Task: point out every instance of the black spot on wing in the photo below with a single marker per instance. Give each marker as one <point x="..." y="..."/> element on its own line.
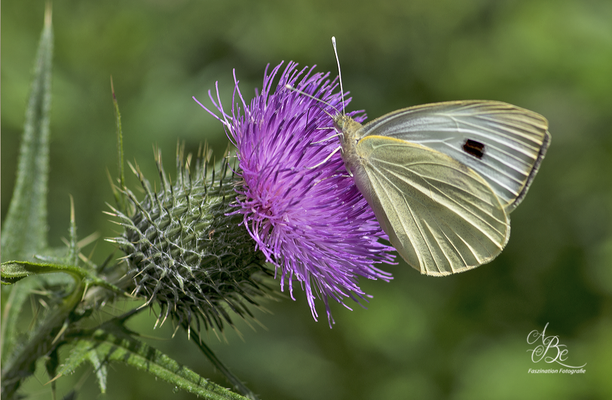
<point x="474" y="148"/>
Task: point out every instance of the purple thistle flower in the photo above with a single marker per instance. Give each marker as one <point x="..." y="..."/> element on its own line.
<point x="299" y="203"/>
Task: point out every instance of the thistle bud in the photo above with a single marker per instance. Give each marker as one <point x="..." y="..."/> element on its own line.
<point x="186" y="249"/>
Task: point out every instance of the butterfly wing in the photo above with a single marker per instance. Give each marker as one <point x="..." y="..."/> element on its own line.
<point x="441" y="216"/>
<point x="501" y="142"/>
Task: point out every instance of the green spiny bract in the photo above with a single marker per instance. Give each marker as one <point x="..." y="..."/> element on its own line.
<point x="186" y="249"/>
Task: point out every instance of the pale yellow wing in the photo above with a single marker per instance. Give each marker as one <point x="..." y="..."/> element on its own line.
<point x="440" y="215"/>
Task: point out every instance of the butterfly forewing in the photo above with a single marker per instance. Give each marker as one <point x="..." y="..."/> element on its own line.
<point x="503" y="143"/>
<point x="440" y="215"/>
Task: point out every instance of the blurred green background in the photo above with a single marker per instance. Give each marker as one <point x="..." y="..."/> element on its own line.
<point x="460" y="337"/>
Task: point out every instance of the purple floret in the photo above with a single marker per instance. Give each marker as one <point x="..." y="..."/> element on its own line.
<point x="299" y="203"/>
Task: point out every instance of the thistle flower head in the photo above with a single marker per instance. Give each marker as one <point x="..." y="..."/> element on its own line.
<point x="297" y="200"/>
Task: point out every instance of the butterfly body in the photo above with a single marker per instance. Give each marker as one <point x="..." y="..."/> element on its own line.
<point x="442" y="178"/>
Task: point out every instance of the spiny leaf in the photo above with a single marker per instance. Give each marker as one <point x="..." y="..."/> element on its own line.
<point x="14" y="271"/>
<point x="81" y="352"/>
<point x="10" y="315"/>
<point x="24" y="231"/>
<point x="119" y="195"/>
<point x="115" y="344"/>
<point x="99" y="368"/>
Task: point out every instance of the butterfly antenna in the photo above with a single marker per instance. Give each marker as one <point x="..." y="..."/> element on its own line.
<point x="288" y="86"/>
<point x="339" y="73"/>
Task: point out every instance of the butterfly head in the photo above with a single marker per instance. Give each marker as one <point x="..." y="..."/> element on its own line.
<point x="348" y="130"/>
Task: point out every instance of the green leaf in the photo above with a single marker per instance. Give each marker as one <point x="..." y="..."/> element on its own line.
<point x="120" y="197"/>
<point x="10" y="315"/>
<point x="78" y="354"/>
<point x="83" y="351"/>
<point x="113" y="343"/>
<point x="25" y="228"/>
<point x="99" y="368"/>
<point x="14" y="271"/>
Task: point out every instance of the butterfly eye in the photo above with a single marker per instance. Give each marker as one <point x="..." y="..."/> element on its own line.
<point x="474" y="148"/>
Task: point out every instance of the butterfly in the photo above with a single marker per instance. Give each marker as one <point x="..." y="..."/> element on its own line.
<point x="443" y="178"/>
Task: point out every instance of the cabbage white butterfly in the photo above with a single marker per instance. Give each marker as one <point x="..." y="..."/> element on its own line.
<point x="442" y="178"/>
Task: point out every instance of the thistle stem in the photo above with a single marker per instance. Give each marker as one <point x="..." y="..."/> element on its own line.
<point x="221" y="367"/>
